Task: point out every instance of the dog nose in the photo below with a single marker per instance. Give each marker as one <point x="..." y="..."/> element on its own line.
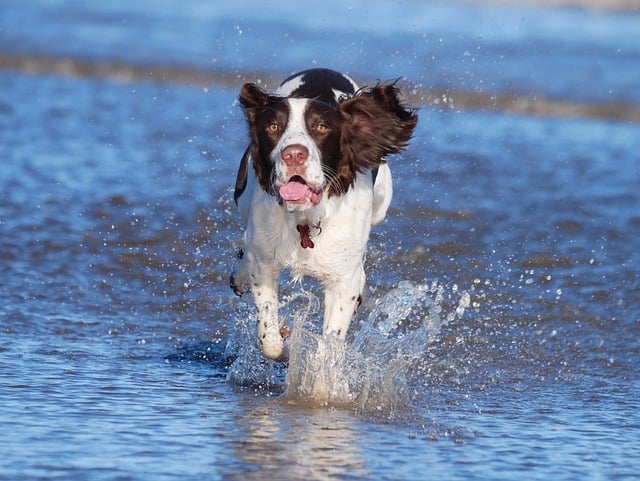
<point x="294" y="155"/>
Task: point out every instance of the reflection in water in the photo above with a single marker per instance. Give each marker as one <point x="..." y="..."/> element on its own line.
<point x="291" y="443"/>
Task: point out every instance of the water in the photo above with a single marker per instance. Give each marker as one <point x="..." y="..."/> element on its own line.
<point x="500" y="327"/>
<point x="369" y="373"/>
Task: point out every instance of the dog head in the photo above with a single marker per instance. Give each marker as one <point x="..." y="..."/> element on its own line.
<point x="310" y="140"/>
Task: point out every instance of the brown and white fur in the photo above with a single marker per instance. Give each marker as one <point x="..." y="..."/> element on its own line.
<point x="312" y="182"/>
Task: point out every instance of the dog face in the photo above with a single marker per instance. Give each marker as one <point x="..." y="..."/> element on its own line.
<point x="299" y="142"/>
<point x="304" y="149"/>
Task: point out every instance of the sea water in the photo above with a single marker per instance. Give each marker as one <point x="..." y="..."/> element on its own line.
<point x="117" y="232"/>
<point x="370" y="370"/>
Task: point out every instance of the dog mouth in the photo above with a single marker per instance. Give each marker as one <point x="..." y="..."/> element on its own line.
<point x="297" y="190"/>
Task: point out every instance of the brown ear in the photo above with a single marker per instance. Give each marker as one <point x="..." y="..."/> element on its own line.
<point x="376" y="124"/>
<point x="253" y="100"/>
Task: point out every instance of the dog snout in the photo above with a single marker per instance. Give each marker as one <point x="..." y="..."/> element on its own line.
<point x="294" y="155"/>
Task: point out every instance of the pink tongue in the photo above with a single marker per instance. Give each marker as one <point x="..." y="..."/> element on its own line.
<point x="294" y="190"/>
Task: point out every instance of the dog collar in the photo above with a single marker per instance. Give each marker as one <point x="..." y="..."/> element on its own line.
<point x="305" y="234"/>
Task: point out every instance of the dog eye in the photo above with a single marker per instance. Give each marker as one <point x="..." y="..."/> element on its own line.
<point x="322" y="128"/>
<point x="273" y="128"/>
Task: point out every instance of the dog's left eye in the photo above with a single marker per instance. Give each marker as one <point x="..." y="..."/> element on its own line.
<point x="322" y="128"/>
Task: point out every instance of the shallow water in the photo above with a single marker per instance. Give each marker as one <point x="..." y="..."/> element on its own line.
<point x="117" y="234"/>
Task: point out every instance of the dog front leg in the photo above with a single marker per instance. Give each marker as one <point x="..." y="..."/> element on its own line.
<point x="341" y="302"/>
<point x="264" y="286"/>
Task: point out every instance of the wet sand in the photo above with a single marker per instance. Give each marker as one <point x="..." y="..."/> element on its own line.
<point x="531" y="104"/>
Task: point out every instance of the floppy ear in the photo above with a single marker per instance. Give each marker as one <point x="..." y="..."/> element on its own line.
<point x="376" y="124"/>
<point x="253" y="101"/>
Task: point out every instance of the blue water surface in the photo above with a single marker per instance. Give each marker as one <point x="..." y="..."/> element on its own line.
<point x="564" y="53"/>
<point x="118" y="233"/>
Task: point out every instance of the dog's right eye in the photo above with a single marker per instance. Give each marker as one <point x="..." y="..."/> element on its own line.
<point x="273" y="128"/>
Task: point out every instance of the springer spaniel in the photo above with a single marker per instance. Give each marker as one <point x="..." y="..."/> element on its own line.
<point x="319" y="181"/>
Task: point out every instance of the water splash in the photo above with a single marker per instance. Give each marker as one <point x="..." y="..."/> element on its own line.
<point x="370" y="371"/>
<point x="248" y="366"/>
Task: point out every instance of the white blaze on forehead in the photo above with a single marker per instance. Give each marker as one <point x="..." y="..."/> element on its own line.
<point x="286" y="88"/>
<point x="296" y="126"/>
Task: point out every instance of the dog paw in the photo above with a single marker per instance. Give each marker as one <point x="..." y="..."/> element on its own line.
<point x="237" y="287"/>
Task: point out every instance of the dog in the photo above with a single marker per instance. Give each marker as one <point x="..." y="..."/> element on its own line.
<point x="312" y="182"/>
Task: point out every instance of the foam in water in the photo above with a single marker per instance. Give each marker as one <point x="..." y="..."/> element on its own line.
<point x="368" y="372"/>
